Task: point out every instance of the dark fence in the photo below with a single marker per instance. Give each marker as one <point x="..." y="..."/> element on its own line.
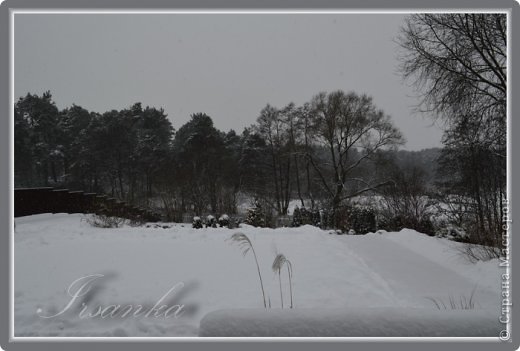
<point x="30" y="201"/>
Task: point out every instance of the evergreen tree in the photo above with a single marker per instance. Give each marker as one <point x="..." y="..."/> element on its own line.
<point x="297" y="218"/>
<point x="256" y="215"/>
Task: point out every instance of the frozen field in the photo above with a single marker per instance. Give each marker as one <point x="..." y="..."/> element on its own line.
<point x="139" y="265"/>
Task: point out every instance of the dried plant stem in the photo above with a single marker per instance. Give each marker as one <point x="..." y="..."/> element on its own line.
<point x="280" y="281"/>
<point x="246" y="244"/>
<point x="279" y="261"/>
<point x="259" y="275"/>
<point x="289" y="273"/>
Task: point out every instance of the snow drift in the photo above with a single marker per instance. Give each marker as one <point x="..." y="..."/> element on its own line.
<point x="353" y="322"/>
<point x="391" y="275"/>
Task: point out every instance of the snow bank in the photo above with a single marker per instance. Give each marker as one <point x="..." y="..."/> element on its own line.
<point x="360" y="322"/>
<point x="402" y="270"/>
<point x="449" y="254"/>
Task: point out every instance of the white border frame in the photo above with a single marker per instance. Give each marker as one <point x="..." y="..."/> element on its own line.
<point x="94" y="339"/>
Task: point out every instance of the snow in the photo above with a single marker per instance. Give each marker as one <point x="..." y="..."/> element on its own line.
<point x="373" y="276"/>
<point x="353" y="322"/>
<point x="447" y="253"/>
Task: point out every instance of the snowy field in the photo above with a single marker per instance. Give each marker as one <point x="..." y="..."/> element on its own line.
<point x="137" y="266"/>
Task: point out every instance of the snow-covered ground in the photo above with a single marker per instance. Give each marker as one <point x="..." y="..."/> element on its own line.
<point x="349" y="322"/>
<point x="207" y="273"/>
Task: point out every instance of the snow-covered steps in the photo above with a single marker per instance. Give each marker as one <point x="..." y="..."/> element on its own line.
<point x="352" y="322"/>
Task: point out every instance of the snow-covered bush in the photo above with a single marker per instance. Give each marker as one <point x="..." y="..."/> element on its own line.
<point x="197" y="222"/>
<point x="137" y="221"/>
<point x="224" y="221"/>
<point x="105" y="221"/>
<point x="391" y="224"/>
<point x="256" y="216"/>
<point x="211" y="221"/>
<point x="362" y="220"/>
<point x="399" y="222"/>
<point x="311" y="217"/>
<point x="326" y="218"/>
<point x="303" y="216"/>
<point x="452" y="232"/>
<point x="425" y="226"/>
<point x="297" y="218"/>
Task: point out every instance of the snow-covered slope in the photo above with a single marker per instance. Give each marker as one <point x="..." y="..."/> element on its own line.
<point x="140" y="265"/>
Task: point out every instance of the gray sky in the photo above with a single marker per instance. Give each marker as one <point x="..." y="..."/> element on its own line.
<point x="226" y="65"/>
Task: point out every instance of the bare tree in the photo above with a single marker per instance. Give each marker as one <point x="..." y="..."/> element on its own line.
<point x="352" y="130"/>
<point x="277" y="135"/>
<point x="406" y="200"/>
<point x="459" y="62"/>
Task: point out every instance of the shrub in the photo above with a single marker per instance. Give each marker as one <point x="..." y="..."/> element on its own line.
<point x="309" y="216"/>
<point x="474" y="252"/>
<point x="224" y="221"/>
<point x="211" y="221"/>
<point x="137" y="221"/>
<point x="105" y="221"/>
<point x="462" y="303"/>
<point x="297" y="218"/>
<point x="256" y="216"/>
<point x="399" y="222"/>
<point x="362" y="220"/>
<point x="303" y="216"/>
<point x="197" y="222"/>
<point x="452" y="232"/>
<point x="425" y="226"/>
<point x="326" y="218"/>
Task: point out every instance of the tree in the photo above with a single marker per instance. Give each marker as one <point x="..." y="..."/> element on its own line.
<point x="37" y="121"/>
<point x="458" y="61"/>
<point x="199" y="147"/>
<point x="23" y="153"/>
<point x="74" y="123"/>
<point x="117" y="141"/>
<point x="253" y="165"/>
<point x="406" y="203"/>
<point x="231" y="182"/>
<point x="352" y="130"/>
<point x="271" y="127"/>
<point x="153" y="143"/>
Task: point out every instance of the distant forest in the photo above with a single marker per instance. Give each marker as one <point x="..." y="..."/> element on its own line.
<point x="136" y="155"/>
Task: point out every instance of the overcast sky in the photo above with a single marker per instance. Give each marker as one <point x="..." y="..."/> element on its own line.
<point x="226" y="65"/>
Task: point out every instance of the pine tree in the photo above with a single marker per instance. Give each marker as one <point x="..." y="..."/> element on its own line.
<point x="256" y="215"/>
<point x="297" y="218"/>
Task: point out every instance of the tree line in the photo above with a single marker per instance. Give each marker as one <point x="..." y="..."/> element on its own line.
<point x="319" y="153"/>
<point x="333" y="148"/>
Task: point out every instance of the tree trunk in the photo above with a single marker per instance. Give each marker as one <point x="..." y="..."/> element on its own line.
<point x="297" y="173"/>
